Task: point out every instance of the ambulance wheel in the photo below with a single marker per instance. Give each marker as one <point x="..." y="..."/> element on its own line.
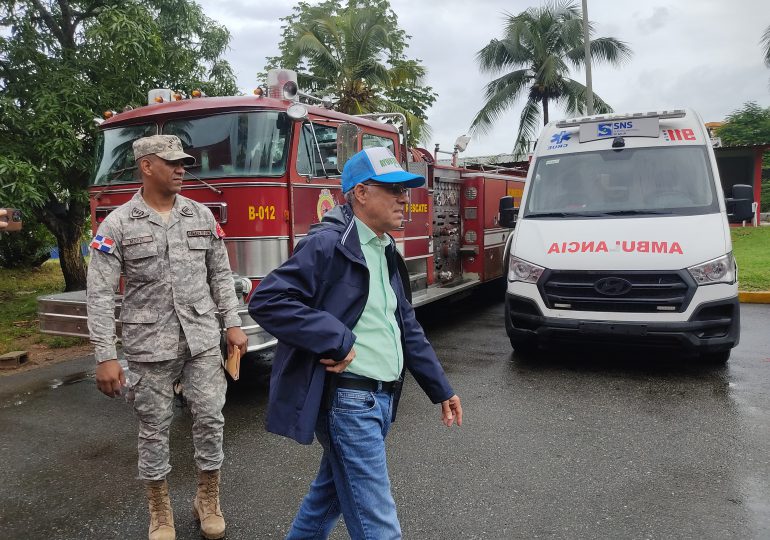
<point x="524" y="347"/>
<point x="719" y="358"/>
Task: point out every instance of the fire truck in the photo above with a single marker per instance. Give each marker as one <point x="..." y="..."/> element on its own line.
<point x="268" y="167"/>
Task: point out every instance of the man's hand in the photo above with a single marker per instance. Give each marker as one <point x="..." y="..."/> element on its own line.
<point x="451" y="410"/>
<point x="110" y="377"/>
<point x="3" y="222"/>
<point x="342" y="365"/>
<point x="236" y="338"/>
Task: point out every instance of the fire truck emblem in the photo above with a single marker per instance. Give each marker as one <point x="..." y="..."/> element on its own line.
<point x="325" y="203"/>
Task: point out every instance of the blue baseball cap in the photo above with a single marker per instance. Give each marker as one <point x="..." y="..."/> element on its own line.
<point x="377" y="164"/>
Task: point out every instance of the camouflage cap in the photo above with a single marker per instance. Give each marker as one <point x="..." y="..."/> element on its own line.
<point x="167" y="147"/>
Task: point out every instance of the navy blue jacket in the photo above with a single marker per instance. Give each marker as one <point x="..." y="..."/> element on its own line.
<point x="311" y="303"/>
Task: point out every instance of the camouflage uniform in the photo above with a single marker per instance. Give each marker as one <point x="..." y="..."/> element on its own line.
<point x="176" y="275"/>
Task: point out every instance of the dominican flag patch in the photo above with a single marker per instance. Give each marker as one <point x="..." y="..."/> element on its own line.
<point x="220" y="231"/>
<point x="103" y="243"/>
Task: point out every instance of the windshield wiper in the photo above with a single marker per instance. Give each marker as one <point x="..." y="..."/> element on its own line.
<point x="212" y="188"/>
<point x="114" y="175"/>
<point x="563" y="214"/>
<point x="634" y="212"/>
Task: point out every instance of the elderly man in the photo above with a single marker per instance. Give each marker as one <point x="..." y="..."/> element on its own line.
<point x="177" y="274"/>
<point x="340" y="310"/>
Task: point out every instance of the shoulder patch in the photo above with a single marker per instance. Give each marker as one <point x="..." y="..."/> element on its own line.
<point x="103" y="243"/>
<point x="220" y="231"/>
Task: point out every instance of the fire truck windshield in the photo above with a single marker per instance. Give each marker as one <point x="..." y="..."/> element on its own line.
<point x="630" y="182"/>
<point x="238" y="144"/>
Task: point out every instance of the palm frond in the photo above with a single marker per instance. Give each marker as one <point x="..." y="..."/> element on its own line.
<point x="528" y="124"/>
<point x="574" y="100"/>
<point x="766" y="45"/>
<point x="500" y="94"/>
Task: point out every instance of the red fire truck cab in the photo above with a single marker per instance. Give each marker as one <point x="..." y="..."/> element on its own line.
<point x="268" y="167"/>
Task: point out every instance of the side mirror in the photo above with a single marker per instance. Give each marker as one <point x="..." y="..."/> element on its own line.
<point x="740" y="207"/>
<point x="347" y="143"/>
<point x="508" y="213"/>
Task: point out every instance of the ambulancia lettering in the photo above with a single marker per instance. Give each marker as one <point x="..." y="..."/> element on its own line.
<point x="626" y="246"/>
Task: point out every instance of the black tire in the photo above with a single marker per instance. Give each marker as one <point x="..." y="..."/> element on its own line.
<point x="719" y="358"/>
<point x="524" y="347"/>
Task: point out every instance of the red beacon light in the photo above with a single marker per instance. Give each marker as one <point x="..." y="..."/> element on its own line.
<point x="197" y="93"/>
<point x="177" y="96"/>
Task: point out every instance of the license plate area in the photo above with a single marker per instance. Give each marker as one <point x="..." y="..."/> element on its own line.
<point x="618" y="329"/>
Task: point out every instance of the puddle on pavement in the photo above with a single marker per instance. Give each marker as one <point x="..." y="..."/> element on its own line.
<point x="51" y="384"/>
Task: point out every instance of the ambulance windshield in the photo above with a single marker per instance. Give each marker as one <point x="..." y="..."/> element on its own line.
<point x="224" y="145"/>
<point x="633" y="181"/>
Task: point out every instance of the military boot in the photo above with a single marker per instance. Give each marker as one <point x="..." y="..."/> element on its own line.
<point x="161" y="516"/>
<point x="206" y="505"/>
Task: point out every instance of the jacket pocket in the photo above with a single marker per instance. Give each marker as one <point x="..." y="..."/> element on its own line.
<point x="139" y="331"/>
<point x="199" y="242"/>
<point x="141" y="262"/>
<point x="204" y="305"/>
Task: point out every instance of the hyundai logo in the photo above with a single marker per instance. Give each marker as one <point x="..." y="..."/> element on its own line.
<point x="612" y="286"/>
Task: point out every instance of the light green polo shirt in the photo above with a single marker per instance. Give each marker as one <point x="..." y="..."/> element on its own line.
<point x="378" y="338"/>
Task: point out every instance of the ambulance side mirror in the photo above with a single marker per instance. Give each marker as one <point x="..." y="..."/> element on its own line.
<point x="508" y="213"/>
<point x="740" y="207"/>
<point x="347" y="143"/>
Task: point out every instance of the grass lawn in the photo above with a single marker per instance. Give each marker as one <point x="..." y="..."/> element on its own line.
<point x="19" y="290"/>
<point x="751" y="247"/>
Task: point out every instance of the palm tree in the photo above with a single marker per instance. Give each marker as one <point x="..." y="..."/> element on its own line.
<point x="351" y="56"/>
<point x="534" y="57"/>
<point x="766" y="45"/>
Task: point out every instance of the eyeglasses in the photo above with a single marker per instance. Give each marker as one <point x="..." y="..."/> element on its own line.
<point x="394" y="189"/>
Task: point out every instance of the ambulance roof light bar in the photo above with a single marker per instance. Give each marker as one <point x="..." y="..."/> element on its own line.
<point x="574" y="122"/>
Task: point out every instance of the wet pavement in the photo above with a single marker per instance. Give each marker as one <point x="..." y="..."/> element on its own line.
<point x="569" y="444"/>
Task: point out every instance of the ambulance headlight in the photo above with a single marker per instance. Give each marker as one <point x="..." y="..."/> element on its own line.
<point x="719" y="270"/>
<point x="520" y="270"/>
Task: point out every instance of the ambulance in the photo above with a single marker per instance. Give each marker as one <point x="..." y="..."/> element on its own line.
<point x="622" y="237"/>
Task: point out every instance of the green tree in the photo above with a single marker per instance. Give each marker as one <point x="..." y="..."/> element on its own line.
<point x="746" y="126"/>
<point x="64" y="62"/>
<point x="533" y="58"/>
<point x="355" y="52"/>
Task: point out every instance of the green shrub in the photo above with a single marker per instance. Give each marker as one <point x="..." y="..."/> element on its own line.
<point x="28" y="248"/>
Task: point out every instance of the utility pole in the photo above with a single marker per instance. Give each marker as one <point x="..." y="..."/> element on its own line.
<point x="587" y="41"/>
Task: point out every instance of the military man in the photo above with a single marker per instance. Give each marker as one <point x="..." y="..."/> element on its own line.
<point x="177" y="274"/>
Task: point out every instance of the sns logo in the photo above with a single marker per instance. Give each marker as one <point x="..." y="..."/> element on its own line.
<point x="606" y="129"/>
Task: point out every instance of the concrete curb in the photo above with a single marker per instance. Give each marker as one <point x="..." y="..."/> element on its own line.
<point x="754" y="297"/>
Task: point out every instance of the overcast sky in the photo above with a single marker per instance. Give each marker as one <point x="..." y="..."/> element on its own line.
<point x="703" y="54"/>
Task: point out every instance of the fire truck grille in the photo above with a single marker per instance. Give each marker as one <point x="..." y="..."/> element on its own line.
<point x="630" y="292"/>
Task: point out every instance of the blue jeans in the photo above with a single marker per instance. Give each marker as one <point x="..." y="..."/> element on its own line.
<point x="353" y="476"/>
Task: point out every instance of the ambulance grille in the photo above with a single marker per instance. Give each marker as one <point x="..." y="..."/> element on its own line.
<point x="628" y="292"/>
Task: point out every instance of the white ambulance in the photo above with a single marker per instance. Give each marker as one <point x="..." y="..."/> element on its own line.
<point x="622" y="237"/>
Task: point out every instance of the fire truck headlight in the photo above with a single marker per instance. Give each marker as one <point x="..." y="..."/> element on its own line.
<point x="521" y="270"/>
<point x="720" y="270"/>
